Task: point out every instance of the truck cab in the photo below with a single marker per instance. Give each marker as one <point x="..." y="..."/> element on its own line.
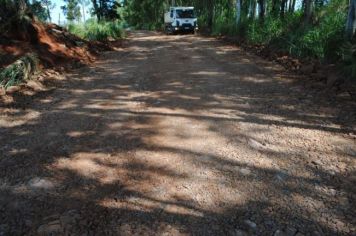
<point x="180" y="19"/>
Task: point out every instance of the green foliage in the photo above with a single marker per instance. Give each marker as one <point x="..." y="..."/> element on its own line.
<point x="348" y="54"/>
<point x="38" y="10"/>
<point x="20" y="71"/>
<point x="106" y="9"/>
<point x="71" y="10"/>
<point x="319" y="40"/>
<point x="15" y="9"/>
<point x="100" y="31"/>
<point x="145" y="14"/>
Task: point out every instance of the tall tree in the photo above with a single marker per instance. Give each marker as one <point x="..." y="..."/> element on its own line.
<point x="274" y="7"/>
<point x="261" y="9"/>
<point x="84" y="4"/>
<point x="283" y="8"/>
<point x="292" y="5"/>
<point x="49" y="6"/>
<point x="308" y="10"/>
<point x="252" y="9"/>
<point x="71" y="10"/>
<point x="107" y="9"/>
<point x="351" y="20"/>
<point x="238" y="11"/>
<point x="38" y="10"/>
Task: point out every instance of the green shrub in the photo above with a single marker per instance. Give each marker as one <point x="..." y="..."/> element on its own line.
<point x="321" y="39"/>
<point x="97" y="31"/>
<point x="258" y="33"/>
<point x="22" y="70"/>
<point x="348" y="54"/>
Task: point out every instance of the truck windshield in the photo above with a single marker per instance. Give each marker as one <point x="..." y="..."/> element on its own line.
<point x="189" y="13"/>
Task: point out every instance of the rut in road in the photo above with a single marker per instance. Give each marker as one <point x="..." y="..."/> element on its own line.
<point x="178" y="135"/>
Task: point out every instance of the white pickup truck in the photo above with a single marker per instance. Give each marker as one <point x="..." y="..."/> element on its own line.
<point x="180" y="19"/>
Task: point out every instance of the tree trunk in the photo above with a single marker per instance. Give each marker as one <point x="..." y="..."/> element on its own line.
<point x="274" y="8"/>
<point x="261" y="13"/>
<point x="83" y="12"/>
<point x="293" y="6"/>
<point x="252" y="9"/>
<point x="351" y="20"/>
<point x="238" y="11"/>
<point x="283" y="8"/>
<point x="308" y="10"/>
<point x="96" y="9"/>
<point x="48" y="13"/>
<point x="210" y="10"/>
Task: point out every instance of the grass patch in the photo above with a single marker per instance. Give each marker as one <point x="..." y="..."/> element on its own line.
<point x="21" y="70"/>
<point x="97" y="31"/>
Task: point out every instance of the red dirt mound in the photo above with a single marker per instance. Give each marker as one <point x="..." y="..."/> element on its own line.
<point x="54" y="45"/>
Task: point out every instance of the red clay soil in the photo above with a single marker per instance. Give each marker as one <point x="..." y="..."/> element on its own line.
<point x="55" y="46"/>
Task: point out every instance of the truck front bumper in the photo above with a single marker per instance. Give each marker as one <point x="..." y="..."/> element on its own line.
<point x="185" y="28"/>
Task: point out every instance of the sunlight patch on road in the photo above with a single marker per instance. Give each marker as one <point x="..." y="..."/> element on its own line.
<point x="25" y="117"/>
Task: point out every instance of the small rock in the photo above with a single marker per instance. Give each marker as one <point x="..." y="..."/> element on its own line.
<point x="255" y="144"/>
<point x="245" y="171"/>
<point x="332" y="192"/>
<point x="39" y="183"/>
<point x="317" y="163"/>
<point x="251" y="225"/>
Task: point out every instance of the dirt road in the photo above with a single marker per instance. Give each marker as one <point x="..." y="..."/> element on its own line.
<point x="178" y="135"/>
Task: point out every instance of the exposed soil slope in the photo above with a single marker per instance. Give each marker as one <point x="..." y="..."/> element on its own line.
<point x="179" y="135"/>
<point x="53" y="44"/>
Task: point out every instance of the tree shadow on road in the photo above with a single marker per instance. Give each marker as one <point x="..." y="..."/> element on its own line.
<point x="93" y="159"/>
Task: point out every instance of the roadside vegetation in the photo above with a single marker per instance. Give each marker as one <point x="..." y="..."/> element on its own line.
<point x="104" y="25"/>
<point x="30" y="42"/>
<point x="20" y="71"/>
<point x="305" y="29"/>
<point x="97" y="31"/>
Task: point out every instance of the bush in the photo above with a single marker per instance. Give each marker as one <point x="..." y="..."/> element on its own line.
<point x="21" y="70"/>
<point x="348" y="54"/>
<point x="258" y="33"/>
<point x="97" y="31"/>
<point x="321" y="39"/>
